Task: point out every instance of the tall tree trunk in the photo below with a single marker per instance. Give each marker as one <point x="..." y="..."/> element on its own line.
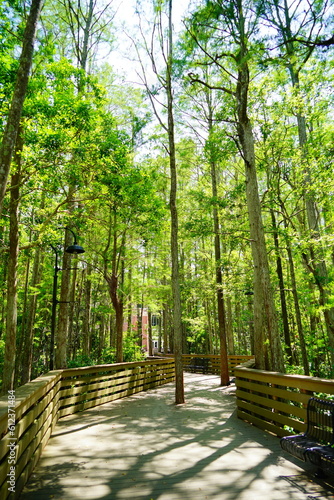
<point x="72" y="312"/>
<point x="149" y="334"/>
<point x="27" y="354"/>
<point x="3" y="284"/>
<point x="297" y="310"/>
<point x="129" y="301"/>
<point x="86" y="326"/>
<point x="118" y="305"/>
<point x="279" y="270"/>
<point x="22" y="330"/>
<point x="15" y="111"/>
<point x="229" y="326"/>
<point x="177" y="320"/>
<point x="140" y="310"/>
<point x="165" y="328"/>
<point x="102" y="337"/>
<point x="222" y="326"/>
<point x="265" y="321"/>
<point x="11" y="317"/>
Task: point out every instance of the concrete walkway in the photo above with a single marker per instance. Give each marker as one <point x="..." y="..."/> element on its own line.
<point x="146" y="448"/>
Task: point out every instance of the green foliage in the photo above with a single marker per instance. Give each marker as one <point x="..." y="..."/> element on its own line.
<point x="81" y="360"/>
<point x="94" y="159"/>
<point x="294" y="370"/>
<point x="131" y="351"/>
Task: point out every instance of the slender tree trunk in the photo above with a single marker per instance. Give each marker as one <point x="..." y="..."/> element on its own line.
<point x="11" y="318"/>
<point x="87" y="313"/>
<point x="149" y="333"/>
<point x="177" y="321"/>
<point x="297" y="310"/>
<point x="112" y="330"/>
<point x="72" y="311"/>
<point x="165" y="328"/>
<point x="102" y="338"/>
<point x="209" y="323"/>
<point x="3" y="284"/>
<point x="29" y="332"/>
<point x="140" y="310"/>
<point x="129" y="301"/>
<point x="280" y="276"/>
<point x="119" y="313"/>
<point x="240" y="339"/>
<point x="119" y="332"/>
<point x="265" y="321"/>
<point x="222" y="326"/>
<point x="15" y="111"/>
<point x="22" y="330"/>
<point x="229" y="326"/>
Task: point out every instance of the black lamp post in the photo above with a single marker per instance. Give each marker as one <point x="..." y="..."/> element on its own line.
<point x="73" y="249"/>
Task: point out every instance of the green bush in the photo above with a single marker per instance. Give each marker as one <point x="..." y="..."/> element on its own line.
<point x="80" y="360"/>
<point x="131" y="352"/>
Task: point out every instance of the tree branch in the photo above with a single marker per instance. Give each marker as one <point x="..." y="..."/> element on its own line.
<point x="195" y="79"/>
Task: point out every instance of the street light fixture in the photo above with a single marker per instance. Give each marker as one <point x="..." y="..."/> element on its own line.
<point x="72" y="249"/>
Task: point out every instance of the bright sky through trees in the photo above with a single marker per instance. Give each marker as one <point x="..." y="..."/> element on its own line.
<point x="123" y="56"/>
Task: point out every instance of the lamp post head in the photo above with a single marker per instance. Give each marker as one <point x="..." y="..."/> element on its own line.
<point x="75" y="249"/>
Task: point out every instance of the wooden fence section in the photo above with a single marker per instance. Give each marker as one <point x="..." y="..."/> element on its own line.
<point x="28" y="417"/>
<point x="82" y="388"/>
<point x="277" y="402"/>
<point x="214" y="362"/>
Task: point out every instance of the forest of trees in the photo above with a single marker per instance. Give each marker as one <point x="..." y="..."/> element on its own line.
<point x="202" y="192"/>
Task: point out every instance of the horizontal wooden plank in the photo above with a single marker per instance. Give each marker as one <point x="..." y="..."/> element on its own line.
<point x="302" y="382"/>
<point x="123" y="384"/>
<point x="285" y="408"/>
<point x="113" y="367"/>
<point x="261" y="424"/>
<point x="286" y="394"/>
<point x="214" y="362"/>
<point x="90" y="387"/>
<point x="106" y="399"/>
<point x="100" y="377"/>
<point x="272" y="416"/>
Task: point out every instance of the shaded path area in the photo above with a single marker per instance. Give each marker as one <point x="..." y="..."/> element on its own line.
<point x="144" y="447"/>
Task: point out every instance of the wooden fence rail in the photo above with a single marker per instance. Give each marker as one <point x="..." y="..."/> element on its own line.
<point x="277" y="402"/>
<point x="214" y="361"/>
<point x="28" y="415"/>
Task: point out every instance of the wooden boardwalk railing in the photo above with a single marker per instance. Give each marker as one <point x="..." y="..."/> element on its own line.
<point x="29" y="414"/>
<point x="277" y="402"/>
<point x="272" y="401"/>
<point x="214" y="362"/>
